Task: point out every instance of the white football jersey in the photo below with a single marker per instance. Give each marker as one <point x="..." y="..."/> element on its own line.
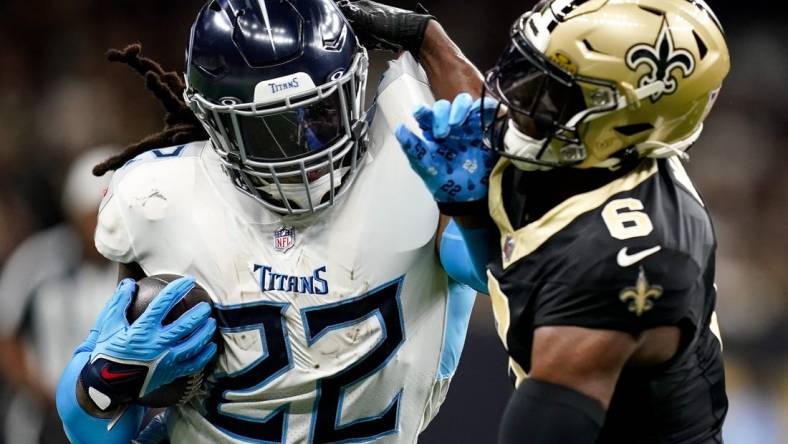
<point x="334" y="323"/>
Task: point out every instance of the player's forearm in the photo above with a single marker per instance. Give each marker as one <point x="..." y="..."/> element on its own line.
<point x="465" y="253"/>
<point x="448" y="70"/>
<point x="451" y="73"/>
<point x="80" y="425"/>
<point x="547" y="413"/>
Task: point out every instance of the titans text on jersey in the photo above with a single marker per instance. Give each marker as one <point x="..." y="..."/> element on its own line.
<point x="271" y="280"/>
<point x="633" y="254"/>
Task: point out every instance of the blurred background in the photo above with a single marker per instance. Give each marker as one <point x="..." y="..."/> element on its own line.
<point x="59" y="98"/>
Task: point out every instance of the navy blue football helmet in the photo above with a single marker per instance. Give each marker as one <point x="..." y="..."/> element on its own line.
<point x="279" y="86"/>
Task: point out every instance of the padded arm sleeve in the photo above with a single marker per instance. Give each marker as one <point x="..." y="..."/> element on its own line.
<point x="544" y="413"/>
<point x="80" y="426"/>
<point x="465" y="253"/>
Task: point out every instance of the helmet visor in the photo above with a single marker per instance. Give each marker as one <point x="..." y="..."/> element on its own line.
<point x="544" y="98"/>
<point x="286" y="135"/>
<point x="539" y="96"/>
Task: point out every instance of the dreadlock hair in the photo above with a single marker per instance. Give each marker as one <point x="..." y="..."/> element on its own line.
<point x="180" y="124"/>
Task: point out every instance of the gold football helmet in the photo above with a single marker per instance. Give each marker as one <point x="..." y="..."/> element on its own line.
<point x="589" y="82"/>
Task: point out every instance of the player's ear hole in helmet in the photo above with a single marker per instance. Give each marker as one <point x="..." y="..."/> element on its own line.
<point x="589" y="83"/>
<point x="279" y="88"/>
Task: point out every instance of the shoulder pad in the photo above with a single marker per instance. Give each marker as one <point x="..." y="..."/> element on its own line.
<point x="616" y="268"/>
<point x="404" y="65"/>
<point x="171" y="153"/>
<point x="600" y="254"/>
<point x="403" y="87"/>
<point x="142" y="196"/>
<point x="662" y="289"/>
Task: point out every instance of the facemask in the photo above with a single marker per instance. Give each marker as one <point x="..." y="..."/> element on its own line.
<point x="521" y="145"/>
<point x="297" y="192"/>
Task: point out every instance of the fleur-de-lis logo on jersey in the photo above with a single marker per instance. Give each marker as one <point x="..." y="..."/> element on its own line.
<point x="662" y="59"/>
<point x="641" y="297"/>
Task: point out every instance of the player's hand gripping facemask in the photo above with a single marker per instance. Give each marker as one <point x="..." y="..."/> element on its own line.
<point x="450" y="157"/>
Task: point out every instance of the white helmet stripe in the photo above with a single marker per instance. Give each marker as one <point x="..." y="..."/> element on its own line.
<point x="264" y="10"/>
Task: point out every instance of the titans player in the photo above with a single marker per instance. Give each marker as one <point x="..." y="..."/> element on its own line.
<point x="296" y="210"/>
<point x="603" y="282"/>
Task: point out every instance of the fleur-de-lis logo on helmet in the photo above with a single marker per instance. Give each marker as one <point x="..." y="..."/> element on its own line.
<point x="663" y="59"/>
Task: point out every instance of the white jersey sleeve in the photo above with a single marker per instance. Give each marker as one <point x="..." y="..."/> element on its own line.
<point x="147" y="198"/>
<point x="403" y="87"/>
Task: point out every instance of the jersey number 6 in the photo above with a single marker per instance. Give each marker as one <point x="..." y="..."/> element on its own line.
<point x="268" y="317"/>
<point x="625" y="219"/>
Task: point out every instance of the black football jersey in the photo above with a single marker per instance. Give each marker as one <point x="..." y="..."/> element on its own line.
<point x="635" y="253"/>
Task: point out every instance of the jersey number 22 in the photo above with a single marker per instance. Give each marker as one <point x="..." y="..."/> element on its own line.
<point x="268" y="317"/>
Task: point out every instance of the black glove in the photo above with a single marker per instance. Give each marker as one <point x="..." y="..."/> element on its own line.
<point x="383" y="27"/>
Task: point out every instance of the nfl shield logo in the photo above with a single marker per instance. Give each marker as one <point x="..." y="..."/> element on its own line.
<point x="284" y="239"/>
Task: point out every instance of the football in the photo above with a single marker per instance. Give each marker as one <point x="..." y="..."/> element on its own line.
<point x="184" y="388"/>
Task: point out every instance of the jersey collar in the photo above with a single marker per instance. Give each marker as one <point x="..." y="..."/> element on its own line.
<point x="517" y="244"/>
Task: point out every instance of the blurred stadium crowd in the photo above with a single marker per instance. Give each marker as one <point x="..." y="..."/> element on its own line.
<point x="59" y="98"/>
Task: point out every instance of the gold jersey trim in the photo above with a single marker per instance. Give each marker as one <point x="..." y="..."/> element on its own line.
<point x="519" y="374"/>
<point x="517" y="244"/>
<point x="503" y="319"/>
<point x="500" y="306"/>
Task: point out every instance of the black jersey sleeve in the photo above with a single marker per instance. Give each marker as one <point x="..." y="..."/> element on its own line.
<point x="659" y="290"/>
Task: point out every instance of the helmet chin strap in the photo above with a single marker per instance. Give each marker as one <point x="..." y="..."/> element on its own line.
<point x="654" y="149"/>
<point x="660" y="150"/>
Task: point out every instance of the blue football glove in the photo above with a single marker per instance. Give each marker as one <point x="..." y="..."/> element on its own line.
<point x="451" y="158"/>
<point x="128" y="362"/>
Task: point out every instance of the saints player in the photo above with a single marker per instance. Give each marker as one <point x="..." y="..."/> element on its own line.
<point x="296" y="210"/>
<point x="603" y="285"/>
